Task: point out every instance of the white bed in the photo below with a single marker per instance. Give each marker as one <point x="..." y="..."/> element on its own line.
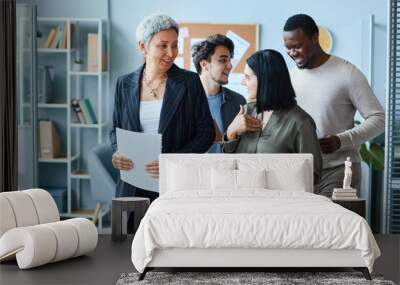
<point x="246" y="210"/>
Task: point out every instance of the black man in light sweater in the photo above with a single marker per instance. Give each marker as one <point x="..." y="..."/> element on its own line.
<point x="331" y="90"/>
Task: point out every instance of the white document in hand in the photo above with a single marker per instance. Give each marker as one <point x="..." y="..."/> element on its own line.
<point x="141" y="148"/>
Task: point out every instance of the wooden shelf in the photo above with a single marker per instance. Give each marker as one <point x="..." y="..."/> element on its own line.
<point x="87" y="73"/>
<point x="52" y="50"/>
<point x="78" y="125"/>
<point x="52" y="105"/>
<point x="54" y="160"/>
<point x="80" y="175"/>
<point x="79" y="213"/>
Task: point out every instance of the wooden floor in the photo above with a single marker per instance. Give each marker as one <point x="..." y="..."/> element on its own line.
<point x="110" y="260"/>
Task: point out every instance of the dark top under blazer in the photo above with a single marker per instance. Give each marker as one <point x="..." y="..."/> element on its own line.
<point x="185" y="122"/>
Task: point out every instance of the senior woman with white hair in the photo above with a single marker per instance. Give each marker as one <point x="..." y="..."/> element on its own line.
<point x="159" y="97"/>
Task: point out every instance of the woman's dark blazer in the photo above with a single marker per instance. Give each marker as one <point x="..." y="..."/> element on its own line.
<point x="186" y="124"/>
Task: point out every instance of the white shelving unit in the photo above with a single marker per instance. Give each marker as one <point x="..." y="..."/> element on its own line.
<point x="76" y="87"/>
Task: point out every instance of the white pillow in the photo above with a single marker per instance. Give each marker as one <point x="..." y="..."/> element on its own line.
<point x="251" y="178"/>
<point x="188" y="175"/>
<point x="293" y="179"/>
<point x="281" y="175"/>
<point x="225" y="179"/>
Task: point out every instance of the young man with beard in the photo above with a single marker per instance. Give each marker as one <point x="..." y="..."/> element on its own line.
<point x="212" y="59"/>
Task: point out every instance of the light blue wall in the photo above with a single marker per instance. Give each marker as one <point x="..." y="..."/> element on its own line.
<point x="347" y="20"/>
<point x="73" y="8"/>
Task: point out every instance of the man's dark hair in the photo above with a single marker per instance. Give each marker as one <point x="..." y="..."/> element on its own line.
<point x="274" y="88"/>
<point x="301" y="21"/>
<point x="206" y="48"/>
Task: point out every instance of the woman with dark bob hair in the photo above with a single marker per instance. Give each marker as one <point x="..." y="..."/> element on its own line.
<point x="272" y="122"/>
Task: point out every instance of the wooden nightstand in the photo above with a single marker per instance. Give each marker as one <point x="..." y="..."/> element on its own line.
<point x="355" y="205"/>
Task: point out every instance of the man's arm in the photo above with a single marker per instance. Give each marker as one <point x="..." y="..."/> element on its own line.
<point x="370" y="109"/>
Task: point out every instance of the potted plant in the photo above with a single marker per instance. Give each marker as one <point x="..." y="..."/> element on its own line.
<point x="373" y="155"/>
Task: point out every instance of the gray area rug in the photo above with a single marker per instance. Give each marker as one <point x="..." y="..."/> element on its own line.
<point x="243" y="278"/>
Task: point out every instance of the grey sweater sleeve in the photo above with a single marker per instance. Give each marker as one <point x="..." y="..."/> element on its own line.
<point x="367" y="104"/>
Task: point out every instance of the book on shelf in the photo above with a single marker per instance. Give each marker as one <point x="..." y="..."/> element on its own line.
<point x="78" y="111"/>
<point x="89" y="112"/>
<point x="345" y="194"/>
<point x="57" y="37"/>
<point x="61" y="37"/>
<point x="334" y="197"/>
<point x="93" y="53"/>
<point x="84" y="111"/>
<point x="50" y="38"/>
<point x="339" y="190"/>
<point x="64" y="40"/>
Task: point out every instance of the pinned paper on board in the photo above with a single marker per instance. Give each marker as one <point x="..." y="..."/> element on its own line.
<point x="241" y="46"/>
<point x="183" y="32"/>
<point x="181" y="45"/>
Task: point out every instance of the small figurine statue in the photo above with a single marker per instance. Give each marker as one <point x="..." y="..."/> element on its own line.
<point x="347" y="174"/>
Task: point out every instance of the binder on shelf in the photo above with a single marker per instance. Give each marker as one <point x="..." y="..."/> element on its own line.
<point x="93" y="53"/>
<point x="49" y="140"/>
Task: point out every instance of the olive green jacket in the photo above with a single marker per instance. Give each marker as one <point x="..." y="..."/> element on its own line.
<point x="287" y="131"/>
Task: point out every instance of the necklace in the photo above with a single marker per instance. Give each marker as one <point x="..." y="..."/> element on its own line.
<point x="153" y="91"/>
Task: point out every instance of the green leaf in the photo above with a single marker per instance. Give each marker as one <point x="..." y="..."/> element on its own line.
<point x="373" y="156"/>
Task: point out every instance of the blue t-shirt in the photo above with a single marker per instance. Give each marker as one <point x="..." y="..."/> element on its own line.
<point x="215" y="103"/>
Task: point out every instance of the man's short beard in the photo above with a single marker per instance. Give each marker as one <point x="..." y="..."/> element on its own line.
<point x="220" y="82"/>
<point x="304" y="66"/>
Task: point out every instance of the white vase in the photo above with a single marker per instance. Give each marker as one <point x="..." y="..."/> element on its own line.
<point x="77" y="66"/>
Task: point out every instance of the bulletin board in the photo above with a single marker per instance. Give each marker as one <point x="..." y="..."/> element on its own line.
<point x="248" y="34"/>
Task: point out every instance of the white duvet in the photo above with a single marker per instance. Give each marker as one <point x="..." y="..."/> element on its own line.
<point x="250" y="219"/>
